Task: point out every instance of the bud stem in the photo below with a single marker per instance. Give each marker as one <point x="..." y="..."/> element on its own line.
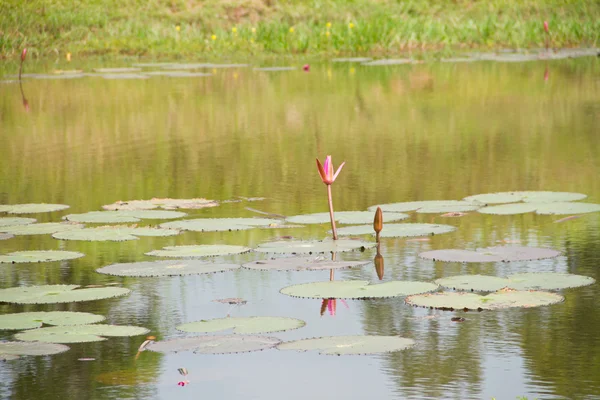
<point x="330" y="199"/>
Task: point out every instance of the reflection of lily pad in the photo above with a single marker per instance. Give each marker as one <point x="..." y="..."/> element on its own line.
<point x="344" y="217"/>
<point x="166" y="268"/>
<point x="301" y="264"/>
<point x="166" y="203"/>
<point x="39" y="256"/>
<point x="31" y="320"/>
<point x="50" y="294"/>
<point x="525" y="281"/>
<point x="13" y="350"/>
<point x="203" y="250"/>
<point x="398" y="230"/>
<point x="224" y="344"/>
<point x="243" y="325"/>
<point x="110" y="217"/>
<point x="79" y="333"/>
<point x="315" y="246"/>
<point x="493" y="301"/>
<point x="44" y="228"/>
<point x="219" y="224"/>
<point x="32" y="208"/>
<point x="526" y="196"/>
<point x="15" y="221"/>
<point x="445" y="205"/>
<point x="350" y="345"/>
<point x="491" y="254"/>
<point x="357" y="289"/>
<point x="113" y="233"/>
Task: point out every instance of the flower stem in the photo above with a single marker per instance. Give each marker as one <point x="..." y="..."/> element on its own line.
<point x="331" y="212"/>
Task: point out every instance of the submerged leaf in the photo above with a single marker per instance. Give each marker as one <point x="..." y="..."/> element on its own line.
<point x="357" y="289"/>
<point x="166" y="268"/>
<point x="202" y="250"/>
<point x="39" y="256"/>
<point x="491" y="254"/>
<point x="301" y="264"/>
<point x="79" y="333"/>
<point x="12" y="350"/>
<point x="30" y="320"/>
<point x="350" y="345"/>
<point x="50" y="294"/>
<point x="243" y="325"/>
<point x="493" y="301"/>
<point x="223" y="344"/>
<point x="315" y="246"/>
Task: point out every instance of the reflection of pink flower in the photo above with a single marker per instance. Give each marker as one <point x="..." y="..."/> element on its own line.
<point x="183" y="383"/>
<point x="331" y="306"/>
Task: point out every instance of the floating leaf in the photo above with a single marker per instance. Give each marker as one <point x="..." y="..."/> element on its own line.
<point x="357" y="289"/>
<point x="50" y="294"/>
<point x="79" y="333"/>
<point x="562" y="208"/>
<point x="166" y="268"/>
<point x="315" y="246"/>
<point x="124" y="76"/>
<point x="352" y="60"/>
<point x="44" y="228"/>
<point x="177" y="74"/>
<point x="113" y="233"/>
<point x="491" y="254"/>
<point x="219" y="224"/>
<point x="15" y="221"/>
<point x="223" y="344"/>
<point x="110" y="217"/>
<point x="447" y="209"/>
<point x="203" y="250"/>
<point x="398" y="230"/>
<point x="344" y="217"/>
<point x="30" y="320"/>
<point x="493" y="301"/>
<point x="275" y="69"/>
<point x="301" y="264"/>
<point x="527" y="196"/>
<point x="39" y="256"/>
<point x="524" y="281"/>
<point x="444" y="205"/>
<point x="399" y="61"/>
<point x="115" y="70"/>
<point x="509" y="209"/>
<point x="243" y="325"/>
<point x="5" y="236"/>
<point x="350" y="345"/>
<point x="31" y="208"/>
<point x="12" y="350"/>
<point x="166" y="203"/>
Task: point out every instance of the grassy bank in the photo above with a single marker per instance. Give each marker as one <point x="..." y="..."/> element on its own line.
<point x="188" y="28"/>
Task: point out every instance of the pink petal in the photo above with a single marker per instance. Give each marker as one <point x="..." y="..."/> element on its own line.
<point x="338" y="170"/>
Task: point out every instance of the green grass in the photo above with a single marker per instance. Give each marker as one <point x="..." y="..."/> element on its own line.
<point x="184" y="28"/>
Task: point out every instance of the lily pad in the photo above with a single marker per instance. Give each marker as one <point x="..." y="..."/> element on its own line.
<point x="202" y="250"/>
<point x="113" y="233"/>
<point x="509" y="209"/>
<point x="115" y="70"/>
<point x="344" y="217"/>
<point x="524" y="281"/>
<point x="5" y="236"/>
<point x="224" y="344"/>
<point x="13" y="350"/>
<point x="219" y="224"/>
<point x="564" y="208"/>
<point x="39" y="256"/>
<point x="275" y="69"/>
<point x="44" y="228"/>
<point x="165" y="203"/>
<point x="492" y="301"/>
<point x="526" y="196"/>
<point x="491" y="254"/>
<point x="110" y="217"/>
<point x="243" y="325"/>
<point x="315" y="246"/>
<point x="15" y="221"/>
<point x="445" y="205"/>
<point x="166" y="268"/>
<point x="351" y="60"/>
<point x="399" y="61"/>
<point x="350" y="345"/>
<point x="50" y="294"/>
<point x="31" y="208"/>
<point x="79" y="333"/>
<point x="301" y="264"/>
<point x="177" y="74"/>
<point x="124" y="76"/>
<point x="357" y="289"/>
<point x="31" y="320"/>
<point x="398" y="230"/>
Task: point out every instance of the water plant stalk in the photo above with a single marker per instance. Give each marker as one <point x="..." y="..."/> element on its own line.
<point x="23" y="55"/>
<point x="328" y="177"/>
<point x="331" y="216"/>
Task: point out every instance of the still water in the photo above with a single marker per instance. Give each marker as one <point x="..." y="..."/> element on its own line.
<point x="412" y="132"/>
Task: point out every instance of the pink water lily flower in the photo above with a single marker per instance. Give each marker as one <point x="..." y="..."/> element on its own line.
<point x="326" y="170"/>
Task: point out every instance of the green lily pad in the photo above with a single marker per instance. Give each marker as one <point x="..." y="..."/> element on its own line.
<point x="397" y="230"/>
<point x="526" y="196"/>
<point x="166" y="268"/>
<point x="166" y="203"/>
<point x="203" y="250"/>
<point x="13" y="350"/>
<point x="509" y="209"/>
<point x="493" y="301"/>
<point x="344" y="217"/>
<point x="350" y="345"/>
<point x="31" y="320"/>
<point x="399" y="61"/>
<point x="113" y="233"/>
<point x="274" y="69"/>
<point x="524" y="281"/>
<point x="50" y="294"/>
<point x="39" y="256"/>
<point x="177" y="74"/>
<point x="79" y="333"/>
<point x="116" y="70"/>
<point x="44" y="228"/>
<point x="447" y="209"/>
<point x="563" y="208"/>
<point x="447" y="205"/>
<point x="31" y="208"/>
<point x="491" y="254"/>
<point x="301" y="264"/>
<point x="351" y="60"/>
<point x="315" y="246"/>
<point x="219" y="224"/>
<point x="15" y="221"/>
<point x="123" y="76"/>
<point x="223" y="344"/>
<point x="5" y="236"/>
<point x="110" y="217"/>
<point x="357" y="289"/>
<point x="243" y="325"/>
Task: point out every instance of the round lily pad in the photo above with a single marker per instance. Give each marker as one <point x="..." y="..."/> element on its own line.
<point x="166" y="203"/>
<point x="447" y="209"/>
<point x="110" y="217"/>
<point x="350" y="345"/>
<point x="527" y="196"/>
<point x="31" y="320"/>
<point x="301" y="264"/>
<point x="509" y="209"/>
<point x="275" y="69"/>
<point x="398" y="230"/>
<point x="243" y="325"/>
<point x="223" y="344"/>
<point x="32" y="208"/>
<point x="357" y="289"/>
<point x="491" y="254"/>
<point x="525" y="281"/>
<point x="113" y="233"/>
<point x="39" y="256"/>
<point x="50" y="294"/>
<point x="15" y="221"/>
<point x="344" y="217"/>
<point x="166" y="268"/>
<point x="5" y="236"/>
<point x="447" y="205"/>
<point x="399" y="61"/>
<point x="492" y="301"/>
<point x="203" y="250"/>
<point x="79" y="333"/>
<point x="44" y="228"/>
<point x="351" y="60"/>
<point x="116" y="70"/>
<point x="563" y="208"/>
<point x="219" y="224"/>
<point x="13" y="350"/>
<point x="315" y="246"/>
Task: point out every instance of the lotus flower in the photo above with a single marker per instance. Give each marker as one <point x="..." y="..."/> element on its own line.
<point x="328" y="177"/>
<point x="546" y="27"/>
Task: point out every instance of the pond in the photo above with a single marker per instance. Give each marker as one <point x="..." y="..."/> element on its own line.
<point x="433" y="131"/>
